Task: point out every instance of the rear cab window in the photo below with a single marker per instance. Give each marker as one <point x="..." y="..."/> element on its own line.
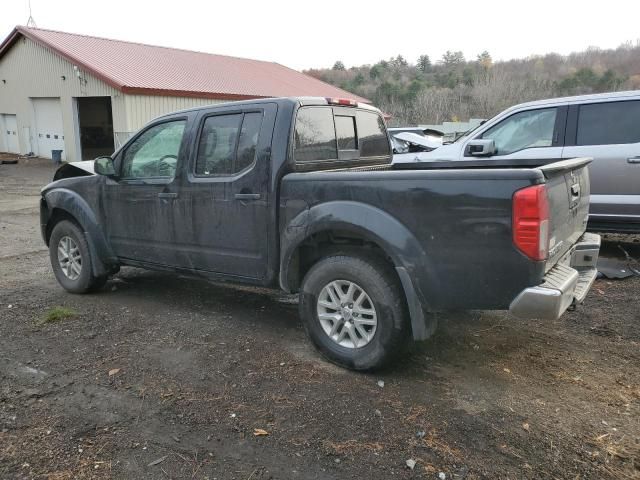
<point x="331" y="137"/>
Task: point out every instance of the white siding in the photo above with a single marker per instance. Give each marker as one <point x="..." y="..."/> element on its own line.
<point x="140" y="109"/>
<point x="31" y="70"/>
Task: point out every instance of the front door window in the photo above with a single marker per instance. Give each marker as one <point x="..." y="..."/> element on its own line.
<point x="154" y="154"/>
<point x="528" y="129"/>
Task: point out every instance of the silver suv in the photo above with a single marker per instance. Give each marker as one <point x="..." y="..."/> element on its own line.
<point x="603" y="126"/>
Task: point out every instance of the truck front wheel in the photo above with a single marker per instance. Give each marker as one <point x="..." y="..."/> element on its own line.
<point x="71" y="260"/>
<point x="354" y="311"/>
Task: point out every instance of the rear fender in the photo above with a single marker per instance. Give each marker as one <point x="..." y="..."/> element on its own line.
<point x="372" y="224"/>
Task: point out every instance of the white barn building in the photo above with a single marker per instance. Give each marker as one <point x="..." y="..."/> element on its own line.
<point x="86" y="95"/>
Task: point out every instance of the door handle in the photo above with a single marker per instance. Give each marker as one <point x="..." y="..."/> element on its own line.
<point x="168" y="195"/>
<point x="633" y="159"/>
<point x="575" y="190"/>
<point x="247" y="196"/>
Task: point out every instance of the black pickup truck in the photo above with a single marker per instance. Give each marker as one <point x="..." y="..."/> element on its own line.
<point x="299" y="193"/>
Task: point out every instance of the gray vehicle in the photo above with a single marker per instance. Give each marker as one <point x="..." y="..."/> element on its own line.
<point x="605" y="127"/>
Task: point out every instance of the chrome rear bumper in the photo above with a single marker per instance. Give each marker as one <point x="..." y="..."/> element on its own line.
<point x="567" y="283"/>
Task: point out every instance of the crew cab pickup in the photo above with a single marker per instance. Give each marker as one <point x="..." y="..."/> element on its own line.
<point x="300" y="194"/>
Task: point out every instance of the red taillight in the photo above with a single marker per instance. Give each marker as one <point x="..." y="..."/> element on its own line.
<point x="342" y="101"/>
<point x="531" y="221"/>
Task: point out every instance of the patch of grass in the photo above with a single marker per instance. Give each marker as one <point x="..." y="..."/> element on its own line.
<point x="57" y="314"/>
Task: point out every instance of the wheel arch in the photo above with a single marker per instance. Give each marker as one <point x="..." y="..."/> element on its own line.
<point x="62" y="204"/>
<point x="352" y="226"/>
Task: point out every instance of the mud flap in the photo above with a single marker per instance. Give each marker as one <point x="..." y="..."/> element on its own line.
<point x="422" y="326"/>
<point x="99" y="268"/>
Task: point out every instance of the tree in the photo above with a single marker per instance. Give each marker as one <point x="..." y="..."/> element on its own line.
<point x="358" y="80"/>
<point x="430" y="91"/>
<point x="452" y="59"/>
<point x="467" y="77"/>
<point x="413" y="90"/>
<point x="610" y="81"/>
<point x="398" y="61"/>
<point x="388" y="92"/>
<point x="338" y="66"/>
<point x="485" y="60"/>
<point x="424" y="63"/>
<point x="585" y="80"/>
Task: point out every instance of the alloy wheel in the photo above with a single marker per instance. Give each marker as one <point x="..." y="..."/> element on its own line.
<point x="347" y="314"/>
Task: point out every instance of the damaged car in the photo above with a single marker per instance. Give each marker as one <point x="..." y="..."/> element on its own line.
<point x="406" y="140"/>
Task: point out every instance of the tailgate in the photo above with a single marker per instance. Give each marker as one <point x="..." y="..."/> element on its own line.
<point x="567" y="184"/>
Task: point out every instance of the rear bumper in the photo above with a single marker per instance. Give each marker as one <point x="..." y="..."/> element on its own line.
<point x="567" y="283"/>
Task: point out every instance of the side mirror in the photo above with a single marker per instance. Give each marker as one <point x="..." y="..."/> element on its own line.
<point x="104" y="166"/>
<point x="481" y="147"/>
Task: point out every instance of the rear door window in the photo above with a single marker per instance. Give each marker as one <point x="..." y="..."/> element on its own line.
<point x="609" y="123"/>
<point x="217" y="145"/>
<point x="248" y="140"/>
<point x="227" y="143"/>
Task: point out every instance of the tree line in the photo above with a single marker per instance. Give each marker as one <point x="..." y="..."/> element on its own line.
<point x="454" y="88"/>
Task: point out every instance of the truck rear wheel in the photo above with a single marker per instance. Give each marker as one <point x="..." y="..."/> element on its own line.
<point x="354" y="311"/>
<point x="71" y="259"/>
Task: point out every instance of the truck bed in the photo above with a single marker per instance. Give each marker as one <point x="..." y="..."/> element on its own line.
<point x="455" y="218"/>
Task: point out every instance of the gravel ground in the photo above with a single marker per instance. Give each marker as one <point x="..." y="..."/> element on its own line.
<point x="164" y="377"/>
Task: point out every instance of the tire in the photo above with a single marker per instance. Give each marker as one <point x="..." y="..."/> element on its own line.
<point x="374" y="347"/>
<point x="75" y="276"/>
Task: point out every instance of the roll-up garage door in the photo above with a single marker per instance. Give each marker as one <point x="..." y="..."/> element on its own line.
<point x="48" y="135"/>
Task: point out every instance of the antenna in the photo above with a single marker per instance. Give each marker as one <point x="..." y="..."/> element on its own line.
<point x="31" y="23"/>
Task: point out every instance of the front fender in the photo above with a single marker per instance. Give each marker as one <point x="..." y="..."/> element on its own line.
<point x="73" y="204"/>
<point x="375" y="225"/>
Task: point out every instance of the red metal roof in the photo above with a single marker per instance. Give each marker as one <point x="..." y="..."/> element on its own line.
<point x="152" y="70"/>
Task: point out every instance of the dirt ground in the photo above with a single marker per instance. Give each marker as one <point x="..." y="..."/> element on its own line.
<point x="164" y="377"/>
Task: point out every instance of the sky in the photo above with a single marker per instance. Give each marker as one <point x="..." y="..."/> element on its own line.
<point x="303" y="34"/>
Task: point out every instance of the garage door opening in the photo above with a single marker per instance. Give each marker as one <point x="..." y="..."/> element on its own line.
<point x="95" y="122"/>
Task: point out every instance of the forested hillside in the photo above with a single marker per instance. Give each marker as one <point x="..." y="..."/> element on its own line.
<point x="454" y="88"/>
